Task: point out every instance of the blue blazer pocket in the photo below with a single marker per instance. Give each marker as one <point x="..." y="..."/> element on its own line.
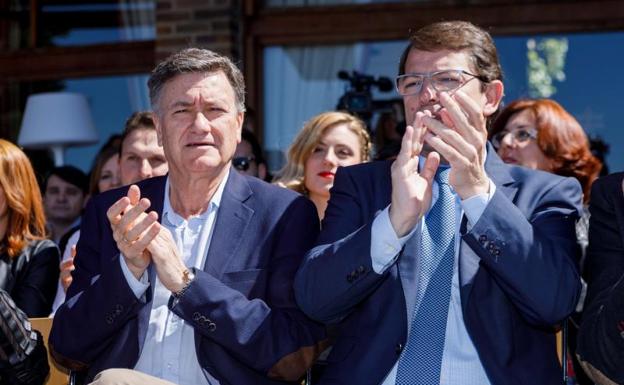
<point x="247" y="282"/>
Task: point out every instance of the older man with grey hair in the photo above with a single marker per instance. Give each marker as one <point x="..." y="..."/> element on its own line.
<point x="187" y="278"/>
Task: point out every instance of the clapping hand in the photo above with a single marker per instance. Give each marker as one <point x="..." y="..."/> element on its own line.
<point x="133" y="229"/>
<point x="460" y="138"/>
<point x="411" y="189"/>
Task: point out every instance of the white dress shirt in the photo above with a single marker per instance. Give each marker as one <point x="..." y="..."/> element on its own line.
<point x="460" y="360"/>
<point x="169" y="348"/>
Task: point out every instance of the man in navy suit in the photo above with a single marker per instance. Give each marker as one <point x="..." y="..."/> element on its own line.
<point x="187" y="278"/>
<point x="511" y="275"/>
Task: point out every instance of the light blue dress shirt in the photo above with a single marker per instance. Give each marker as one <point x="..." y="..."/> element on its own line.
<point x="169" y="348"/>
<point x="460" y="361"/>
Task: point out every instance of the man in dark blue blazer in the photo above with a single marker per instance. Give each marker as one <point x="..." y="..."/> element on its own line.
<point x="197" y="290"/>
<point x="512" y="275"/>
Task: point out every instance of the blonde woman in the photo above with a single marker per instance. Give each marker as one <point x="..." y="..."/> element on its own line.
<point x="326" y="142"/>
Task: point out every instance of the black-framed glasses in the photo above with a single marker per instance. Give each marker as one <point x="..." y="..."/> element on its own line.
<point x="441" y="81"/>
<point x="242" y="163"/>
<point x="521" y="135"/>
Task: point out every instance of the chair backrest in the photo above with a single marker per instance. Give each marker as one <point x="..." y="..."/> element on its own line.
<point x="58" y="374"/>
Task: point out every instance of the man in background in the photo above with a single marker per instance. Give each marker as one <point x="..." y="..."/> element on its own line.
<point x="64" y="193"/>
<point x="141" y="156"/>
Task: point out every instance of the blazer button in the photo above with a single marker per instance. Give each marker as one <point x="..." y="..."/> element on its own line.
<point x="109" y="320"/>
<point x="398" y="348"/>
<point x="483" y="239"/>
<point x="497" y="252"/>
<point x="361" y="269"/>
<point x="349" y="278"/>
<point x="212" y="327"/>
<point x="196" y="316"/>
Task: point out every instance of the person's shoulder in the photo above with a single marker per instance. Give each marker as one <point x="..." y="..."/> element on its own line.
<point x="41" y="244"/>
<point x="607" y="189"/>
<point x="609" y="182"/>
<point x="539" y="179"/>
<point x="369" y="169"/>
<point x="268" y="190"/>
<point x="107" y="198"/>
<point x="41" y="247"/>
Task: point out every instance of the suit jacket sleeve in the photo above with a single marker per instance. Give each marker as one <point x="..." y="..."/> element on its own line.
<point x="99" y="301"/>
<point x="337" y="274"/>
<point x="270" y="334"/>
<point x="601" y="336"/>
<point x="533" y="256"/>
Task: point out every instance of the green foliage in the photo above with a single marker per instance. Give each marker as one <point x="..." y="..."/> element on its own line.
<point x="546" y="63"/>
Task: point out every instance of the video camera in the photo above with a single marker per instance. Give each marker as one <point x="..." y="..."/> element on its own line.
<point x="358" y="98"/>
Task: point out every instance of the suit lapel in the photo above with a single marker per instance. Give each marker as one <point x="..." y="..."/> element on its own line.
<point x="232" y="219"/>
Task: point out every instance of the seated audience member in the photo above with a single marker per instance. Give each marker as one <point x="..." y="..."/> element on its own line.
<point x="140" y="156"/>
<point x="23" y="356"/>
<point x="105" y="170"/>
<point x="248" y="157"/>
<point x="540" y="134"/>
<point x="601" y="337"/>
<point x="104" y="176"/>
<point x="387" y="136"/>
<point x="446" y="266"/>
<point x="64" y="194"/>
<point x="326" y="142"/>
<point x="29" y="265"/>
<point x="28" y="269"/>
<point x="205" y="253"/>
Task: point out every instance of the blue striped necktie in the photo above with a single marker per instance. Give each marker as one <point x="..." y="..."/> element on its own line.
<point x="421" y="360"/>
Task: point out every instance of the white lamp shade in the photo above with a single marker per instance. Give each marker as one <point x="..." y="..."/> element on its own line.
<point x="57" y="119"/>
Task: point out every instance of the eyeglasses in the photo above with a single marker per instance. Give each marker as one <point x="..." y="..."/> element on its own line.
<point x="242" y="163"/>
<point x="441" y="81"/>
<point x="519" y="136"/>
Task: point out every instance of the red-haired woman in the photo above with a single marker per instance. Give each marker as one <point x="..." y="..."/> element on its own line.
<point x="540" y="134"/>
<point x="28" y="262"/>
<point x="28" y="270"/>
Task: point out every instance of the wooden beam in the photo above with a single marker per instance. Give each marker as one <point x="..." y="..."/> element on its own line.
<point x="73" y="62"/>
<point x="348" y="24"/>
<point x="88" y="19"/>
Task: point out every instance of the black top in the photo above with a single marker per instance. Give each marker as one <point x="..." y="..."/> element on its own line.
<point x="32" y="277"/>
<point x="601" y="337"/>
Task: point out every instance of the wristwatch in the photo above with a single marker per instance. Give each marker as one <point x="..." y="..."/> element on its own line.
<point x="187" y="278"/>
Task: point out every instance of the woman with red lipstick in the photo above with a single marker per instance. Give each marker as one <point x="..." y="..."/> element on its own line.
<point x="326" y="142"/>
<point x="541" y="134"/>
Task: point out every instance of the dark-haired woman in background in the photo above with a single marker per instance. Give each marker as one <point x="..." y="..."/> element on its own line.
<point x="541" y="134"/>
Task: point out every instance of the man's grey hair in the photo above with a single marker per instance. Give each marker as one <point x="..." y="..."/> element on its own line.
<point x="195" y="60"/>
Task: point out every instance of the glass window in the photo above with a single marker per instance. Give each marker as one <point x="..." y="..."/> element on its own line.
<point x="112" y="99"/>
<point x="586" y="79"/>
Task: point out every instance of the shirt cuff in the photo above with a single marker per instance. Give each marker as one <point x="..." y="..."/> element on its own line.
<point x="385" y="245"/>
<point x="475" y="205"/>
<point x="138" y="287"/>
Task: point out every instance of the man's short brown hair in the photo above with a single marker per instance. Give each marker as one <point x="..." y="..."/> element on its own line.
<point x="139" y="120"/>
<point x="458" y="36"/>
